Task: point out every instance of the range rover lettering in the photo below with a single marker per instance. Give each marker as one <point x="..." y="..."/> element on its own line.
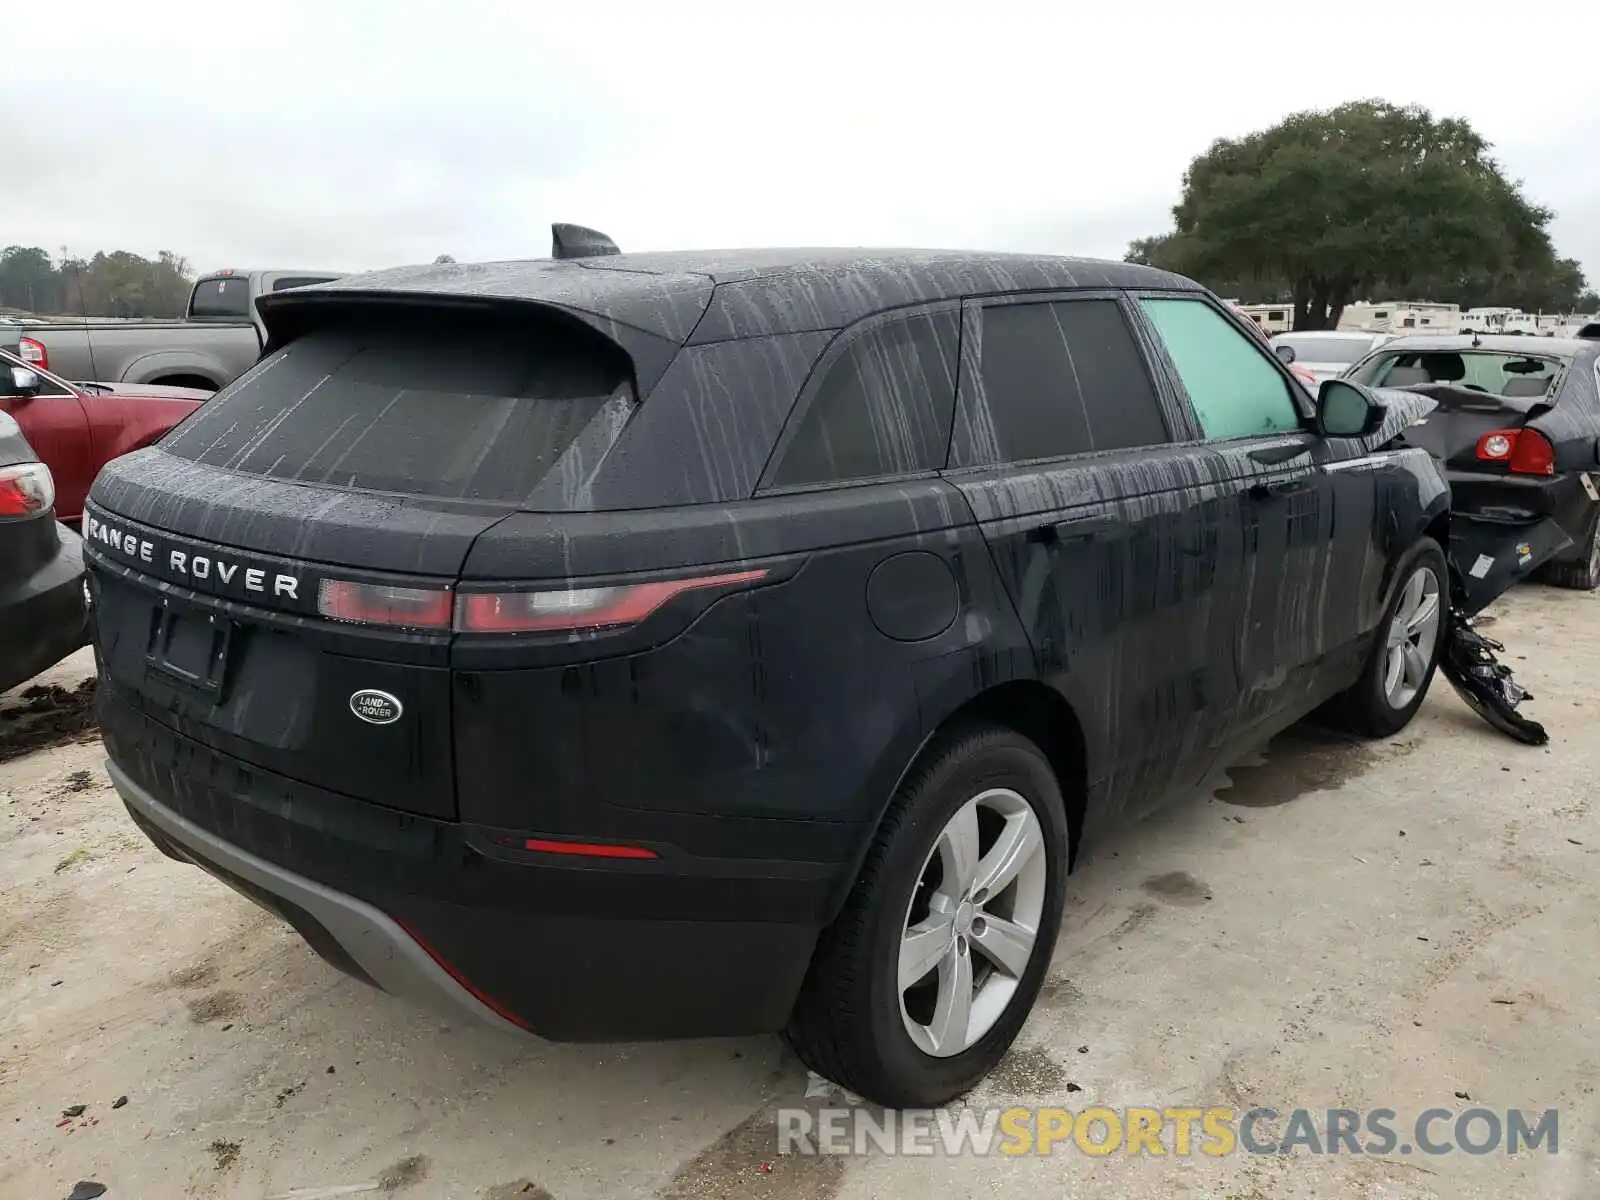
<point x="767" y="632"/>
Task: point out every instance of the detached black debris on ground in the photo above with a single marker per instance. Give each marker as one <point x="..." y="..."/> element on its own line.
<point x="1484" y="682"/>
<point x="87" y="1189"/>
<point x="44" y="716"/>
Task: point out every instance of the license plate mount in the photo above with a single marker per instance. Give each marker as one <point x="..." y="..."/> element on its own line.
<point x="191" y="648"/>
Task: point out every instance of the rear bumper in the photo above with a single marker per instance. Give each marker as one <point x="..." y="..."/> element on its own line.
<point x="352" y="935"/>
<point x="42" y="617"/>
<point x="432" y="911"/>
<point x="1508" y="500"/>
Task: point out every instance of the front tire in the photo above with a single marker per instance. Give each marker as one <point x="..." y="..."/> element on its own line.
<point x="924" y="980"/>
<point x="1403" y="660"/>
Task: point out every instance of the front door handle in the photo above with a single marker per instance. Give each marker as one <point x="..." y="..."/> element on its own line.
<point x="1073" y="529"/>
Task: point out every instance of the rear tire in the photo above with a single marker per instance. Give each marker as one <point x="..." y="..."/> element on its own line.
<point x="1581" y="574"/>
<point x="982" y="805"/>
<point x="1406" y="652"/>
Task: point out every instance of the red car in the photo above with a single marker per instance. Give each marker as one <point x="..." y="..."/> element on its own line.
<point x="76" y="428"/>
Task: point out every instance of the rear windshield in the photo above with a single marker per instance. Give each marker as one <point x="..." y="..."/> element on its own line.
<point x="1326" y="350"/>
<point x="436" y="408"/>
<point x="226" y="297"/>
<point x="1511" y="376"/>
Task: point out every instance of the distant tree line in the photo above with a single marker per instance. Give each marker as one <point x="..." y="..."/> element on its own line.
<point x="118" y="284"/>
<point x="1364" y="201"/>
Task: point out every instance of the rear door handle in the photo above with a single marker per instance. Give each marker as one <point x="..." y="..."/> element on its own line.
<point x="1073" y="529"/>
<point x="1279" y="487"/>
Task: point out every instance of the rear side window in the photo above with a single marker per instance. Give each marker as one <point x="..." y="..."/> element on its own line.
<point x="882" y="407"/>
<point x="439" y="408"/>
<point x="294" y="281"/>
<point x="1059" y="378"/>
<point x="1235" y="389"/>
<point x="226" y="297"/>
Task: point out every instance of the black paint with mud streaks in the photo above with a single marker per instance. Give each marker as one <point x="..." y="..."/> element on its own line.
<point x="750" y="735"/>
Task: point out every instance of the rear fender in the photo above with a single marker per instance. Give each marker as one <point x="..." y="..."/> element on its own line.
<point x="163" y="364"/>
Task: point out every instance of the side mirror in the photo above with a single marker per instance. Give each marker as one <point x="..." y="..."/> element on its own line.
<point x="1285" y="353"/>
<point x="25" y="382"/>
<point x="1346" y="410"/>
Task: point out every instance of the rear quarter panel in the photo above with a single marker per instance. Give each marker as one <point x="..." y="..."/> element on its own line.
<point x="1573" y="425"/>
<point x="786" y="707"/>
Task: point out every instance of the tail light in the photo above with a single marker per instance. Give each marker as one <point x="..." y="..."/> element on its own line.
<point x="1304" y="375"/>
<point x="26" y="489"/>
<point x="33" y="353"/>
<point x="1523" y="451"/>
<point x="569" y="609"/>
<point x="580" y="608"/>
<point x="382" y="604"/>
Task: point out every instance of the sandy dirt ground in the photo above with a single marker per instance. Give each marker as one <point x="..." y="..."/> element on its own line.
<point x="1403" y="924"/>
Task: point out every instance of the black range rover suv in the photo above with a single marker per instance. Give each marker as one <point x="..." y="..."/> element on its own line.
<point x="638" y="646"/>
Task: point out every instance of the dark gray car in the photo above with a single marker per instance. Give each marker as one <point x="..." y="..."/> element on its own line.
<point x="41" y="566"/>
<point x="1518" y="428"/>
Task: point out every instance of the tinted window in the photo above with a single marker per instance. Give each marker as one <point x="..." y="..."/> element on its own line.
<point x="294" y="281"/>
<point x="1235" y="389"/>
<point x="1058" y="378"/>
<point x="227" y="297"/>
<point x="421" y="407"/>
<point x="882" y="408"/>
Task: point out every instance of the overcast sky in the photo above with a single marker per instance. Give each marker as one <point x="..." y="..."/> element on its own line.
<point x="351" y="134"/>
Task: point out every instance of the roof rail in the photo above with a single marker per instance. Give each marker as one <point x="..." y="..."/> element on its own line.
<point x="578" y="241"/>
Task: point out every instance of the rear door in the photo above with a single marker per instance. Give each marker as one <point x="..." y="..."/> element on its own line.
<point x="1121" y="556"/>
<point x="295" y="545"/>
<point x="1310" y="512"/>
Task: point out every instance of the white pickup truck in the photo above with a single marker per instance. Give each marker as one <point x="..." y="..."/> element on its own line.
<point x="217" y="338"/>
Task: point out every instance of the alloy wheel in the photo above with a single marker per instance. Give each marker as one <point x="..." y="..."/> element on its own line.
<point x="1413" y="634"/>
<point x="973" y="922"/>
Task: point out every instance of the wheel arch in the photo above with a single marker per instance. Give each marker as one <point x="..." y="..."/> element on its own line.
<point x="1030" y="708"/>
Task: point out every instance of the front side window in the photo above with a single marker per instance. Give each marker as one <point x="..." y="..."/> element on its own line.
<point x="881" y="408"/>
<point x="1235" y="389"/>
<point x="1057" y="378"/>
<point x="8" y="387"/>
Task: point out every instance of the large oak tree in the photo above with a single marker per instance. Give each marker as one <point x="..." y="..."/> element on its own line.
<point x="1326" y="206"/>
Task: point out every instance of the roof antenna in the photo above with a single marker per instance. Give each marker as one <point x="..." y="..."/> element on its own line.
<point x="578" y="241"/>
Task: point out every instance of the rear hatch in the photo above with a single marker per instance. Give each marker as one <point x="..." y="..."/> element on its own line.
<point x="276" y="579"/>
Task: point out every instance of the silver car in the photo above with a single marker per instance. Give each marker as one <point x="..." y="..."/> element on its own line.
<point x="1327" y="353"/>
